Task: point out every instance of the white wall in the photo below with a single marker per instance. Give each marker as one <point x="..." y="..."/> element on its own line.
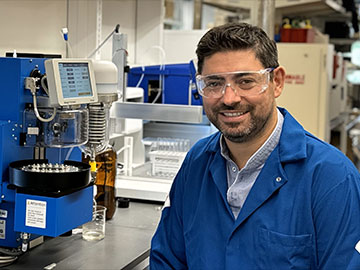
<point x="140" y="20"/>
<point x="123" y="13"/>
<point x="149" y="31"/>
<point x="180" y="45"/>
<point x="32" y="26"/>
<point x="82" y="27"/>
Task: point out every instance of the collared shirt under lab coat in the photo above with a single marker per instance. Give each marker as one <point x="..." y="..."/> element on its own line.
<point x="303" y="211"/>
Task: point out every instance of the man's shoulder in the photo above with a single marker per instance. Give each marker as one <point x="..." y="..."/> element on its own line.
<point x="328" y="157"/>
<point x="318" y="147"/>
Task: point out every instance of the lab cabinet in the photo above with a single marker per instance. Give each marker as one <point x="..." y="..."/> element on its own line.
<point x="306" y="94"/>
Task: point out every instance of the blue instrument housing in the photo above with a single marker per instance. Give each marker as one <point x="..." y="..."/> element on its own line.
<point x="25" y="212"/>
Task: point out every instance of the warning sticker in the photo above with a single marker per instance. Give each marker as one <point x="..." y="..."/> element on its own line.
<point x="295" y="79"/>
<point x="35" y="214"/>
<point x="3" y="213"/>
<point x="2" y="228"/>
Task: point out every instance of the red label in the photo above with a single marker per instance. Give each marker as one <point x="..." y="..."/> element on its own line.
<point x="294" y="79"/>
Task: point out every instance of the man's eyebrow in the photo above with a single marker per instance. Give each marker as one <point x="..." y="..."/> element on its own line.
<point x="215" y="76"/>
<point x="237" y="75"/>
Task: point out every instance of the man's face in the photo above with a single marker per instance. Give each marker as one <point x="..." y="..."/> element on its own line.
<point x="240" y="119"/>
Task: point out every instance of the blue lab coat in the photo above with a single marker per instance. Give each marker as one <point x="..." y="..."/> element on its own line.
<point x="303" y="211"/>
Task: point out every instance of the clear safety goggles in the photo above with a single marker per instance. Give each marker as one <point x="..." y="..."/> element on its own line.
<point x="244" y="83"/>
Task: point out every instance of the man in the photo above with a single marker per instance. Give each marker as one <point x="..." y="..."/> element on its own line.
<point x="262" y="193"/>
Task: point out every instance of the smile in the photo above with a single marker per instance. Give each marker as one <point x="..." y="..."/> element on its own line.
<point x="234" y="114"/>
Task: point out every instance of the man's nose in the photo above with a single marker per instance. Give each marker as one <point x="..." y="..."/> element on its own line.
<point x="230" y="94"/>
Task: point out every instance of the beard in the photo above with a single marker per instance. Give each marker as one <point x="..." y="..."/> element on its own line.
<point x="237" y="132"/>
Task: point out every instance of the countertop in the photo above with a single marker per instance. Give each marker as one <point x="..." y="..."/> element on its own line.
<point x="126" y="244"/>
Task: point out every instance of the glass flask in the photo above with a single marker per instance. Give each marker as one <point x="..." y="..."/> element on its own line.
<point x="105" y="179"/>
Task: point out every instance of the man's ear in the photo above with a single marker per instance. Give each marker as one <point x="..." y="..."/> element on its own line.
<point x="278" y="80"/>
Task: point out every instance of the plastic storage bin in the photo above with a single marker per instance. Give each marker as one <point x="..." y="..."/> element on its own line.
<point x="177" y="81"/>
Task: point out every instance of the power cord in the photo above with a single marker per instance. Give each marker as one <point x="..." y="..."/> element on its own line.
<point x="8" y="256"/>
<point x="30" y="84"/>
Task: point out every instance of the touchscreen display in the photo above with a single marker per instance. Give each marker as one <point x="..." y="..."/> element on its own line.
<point x="75" y="80"/>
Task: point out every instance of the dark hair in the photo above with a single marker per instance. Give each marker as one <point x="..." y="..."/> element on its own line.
<point x="237" y="36"/>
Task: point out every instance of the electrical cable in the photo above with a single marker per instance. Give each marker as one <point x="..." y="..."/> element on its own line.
<point x="69" y="153"/>
<point x="30" y="84"/>
<point x="70" y="51"/>
<point x="6" y="259"/>
<point x="59" y="155"/>
<point x="7" y="262"/>
<point x="8" y="256"/>
<point x="43" y="84"/>
<point x="161" y="68"/>
<point x="122" y="149"/>
<point x="37" y="112"/>
<point x="8" y="252"/>
<point x="141" y="77"/>
<point x="65" y="35"/>
<point x="116" y="30"/>
<point x="161" y="75"/>
<point x="118" y="153"/>
<point x="160" y="88"/>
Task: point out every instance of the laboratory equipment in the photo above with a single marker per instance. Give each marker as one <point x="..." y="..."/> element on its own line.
<point x="97" y="150"/>
<point x="308" y="84"/>
<point x="43" y="193"/>
<point x="166" y="156"/>
<point x="94" y="230"/>
<point x="166" y="84"/>
<point x="151" y="156"/>
<point x="315" y="79"/>
<point x="70" y="82"/>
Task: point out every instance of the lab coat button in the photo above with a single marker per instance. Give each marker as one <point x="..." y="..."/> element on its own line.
<point x="278" y="179"/>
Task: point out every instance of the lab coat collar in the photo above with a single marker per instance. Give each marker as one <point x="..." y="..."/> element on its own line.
<point x="292" y="144"/>
<point x="271" y="178"/>
<point x="218" y="173"/>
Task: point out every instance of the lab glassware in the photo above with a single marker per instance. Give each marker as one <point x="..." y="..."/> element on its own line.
<point x="95" y="229"/>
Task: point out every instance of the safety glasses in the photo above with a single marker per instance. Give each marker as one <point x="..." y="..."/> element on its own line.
<point x="244" y="83"/>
